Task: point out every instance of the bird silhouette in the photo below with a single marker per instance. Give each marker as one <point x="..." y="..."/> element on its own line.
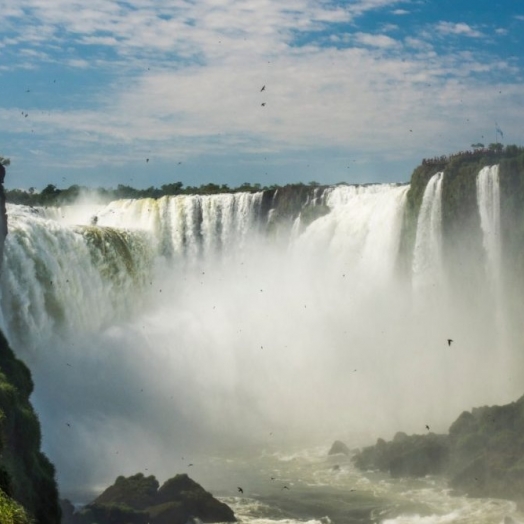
<point x="263" y="88"/>
<point x="240" y="490"/>
<point x="450" y="341"/>
<point x="427" y="427"/>
<point x="262" y="104"/>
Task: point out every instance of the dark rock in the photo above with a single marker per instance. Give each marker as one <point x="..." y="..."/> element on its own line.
<point x="136" y="492"/>
<point x="139" y="500"/>
<point x="338" y="447"/>
<point x="407" y="456"/>
<point x="68" y="510"/>
<point x="483" y="455"/>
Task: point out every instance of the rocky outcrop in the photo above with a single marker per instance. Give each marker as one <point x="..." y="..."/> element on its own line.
<point x="482" y="456"/>
<point x="338" y="447"/>
<point x="140" y="500"/>
<point x="407" y="456"/>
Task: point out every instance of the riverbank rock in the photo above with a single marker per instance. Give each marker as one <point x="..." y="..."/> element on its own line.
<point x="141" y="500"/>
<point x="482" y="456"/>
<point x="338" y="447"/>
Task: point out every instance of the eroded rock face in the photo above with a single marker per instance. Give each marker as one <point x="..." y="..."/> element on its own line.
<point x="139" y="500"/>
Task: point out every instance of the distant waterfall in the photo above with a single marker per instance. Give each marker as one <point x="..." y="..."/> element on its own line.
<point x="488" y="198"/>
<point x="427" y="257"/>
<point x="361" y="234"/>
<point x="190" y="226"/>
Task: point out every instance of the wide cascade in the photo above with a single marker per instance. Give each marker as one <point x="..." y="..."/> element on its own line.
<point x="159" y="327"/>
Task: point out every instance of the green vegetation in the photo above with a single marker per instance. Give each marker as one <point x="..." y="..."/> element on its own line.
<point x="26" y="475"/>
<point x="54" y="196"/>
<point x="11" y="512"/>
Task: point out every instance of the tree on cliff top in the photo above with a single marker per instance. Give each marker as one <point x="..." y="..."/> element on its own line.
<point x="4" y="161"/>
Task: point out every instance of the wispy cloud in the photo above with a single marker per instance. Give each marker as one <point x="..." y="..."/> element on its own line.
<point x="382" y="41"/>
<point x="460" y="28"/>
<point x="185" y="77"/>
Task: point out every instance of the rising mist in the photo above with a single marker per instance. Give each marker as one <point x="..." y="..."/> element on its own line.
<point x="186" y="326"/>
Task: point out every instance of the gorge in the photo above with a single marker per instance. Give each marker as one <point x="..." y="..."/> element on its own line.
<point x="187" y="325"/>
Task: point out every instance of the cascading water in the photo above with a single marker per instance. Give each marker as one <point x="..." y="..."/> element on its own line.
<point x="427" y="257"/>
<point x="488" y="198"/>
<point x="190" y="226"/>
<point x="63" y="280"/>
<point x="186" y="324"/>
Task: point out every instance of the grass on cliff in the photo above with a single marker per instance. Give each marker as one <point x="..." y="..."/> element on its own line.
<point x="11" y="512"/>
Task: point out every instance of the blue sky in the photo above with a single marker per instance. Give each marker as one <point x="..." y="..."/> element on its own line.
<point x="355" y="91"/>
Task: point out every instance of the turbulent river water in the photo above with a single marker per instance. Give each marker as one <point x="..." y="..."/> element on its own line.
<point x="207" y="326"/>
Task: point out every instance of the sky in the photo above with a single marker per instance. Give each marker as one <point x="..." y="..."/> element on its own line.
<point x="149" y="92"/>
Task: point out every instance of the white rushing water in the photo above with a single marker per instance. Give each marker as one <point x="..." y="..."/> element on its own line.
<point x="488" y="198"/>
<point x="195" y="324"/>
<point x="427" y="258"/>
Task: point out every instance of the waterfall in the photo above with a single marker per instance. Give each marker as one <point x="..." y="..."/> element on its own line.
<point x="488" y="198"/>
<point x="194" y="321"/>
<point x="427" y="257"/>
<point x="190" y="226"/>
<point x="58" y="278"/>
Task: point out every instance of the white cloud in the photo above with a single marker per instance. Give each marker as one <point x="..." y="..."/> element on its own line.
<point x="382" y="41"/>
<point x="187" y="78"/>
<point x="460" y="28"/>
<point x="400" y="12"/>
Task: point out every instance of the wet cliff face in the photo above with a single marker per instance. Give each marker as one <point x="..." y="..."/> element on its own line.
<point x="461" y="230"/>
<point x="3" y="215"/>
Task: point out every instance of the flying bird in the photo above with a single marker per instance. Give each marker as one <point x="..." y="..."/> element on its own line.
<point x="262" y="104"/>
<point x="263" y="88"/>
<point x="147" y="160"/>
<point x="427" y="427"/>
<point x="240" y="490"/>
<point x="450" y="341"/>
<point x="285" y="487"/>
